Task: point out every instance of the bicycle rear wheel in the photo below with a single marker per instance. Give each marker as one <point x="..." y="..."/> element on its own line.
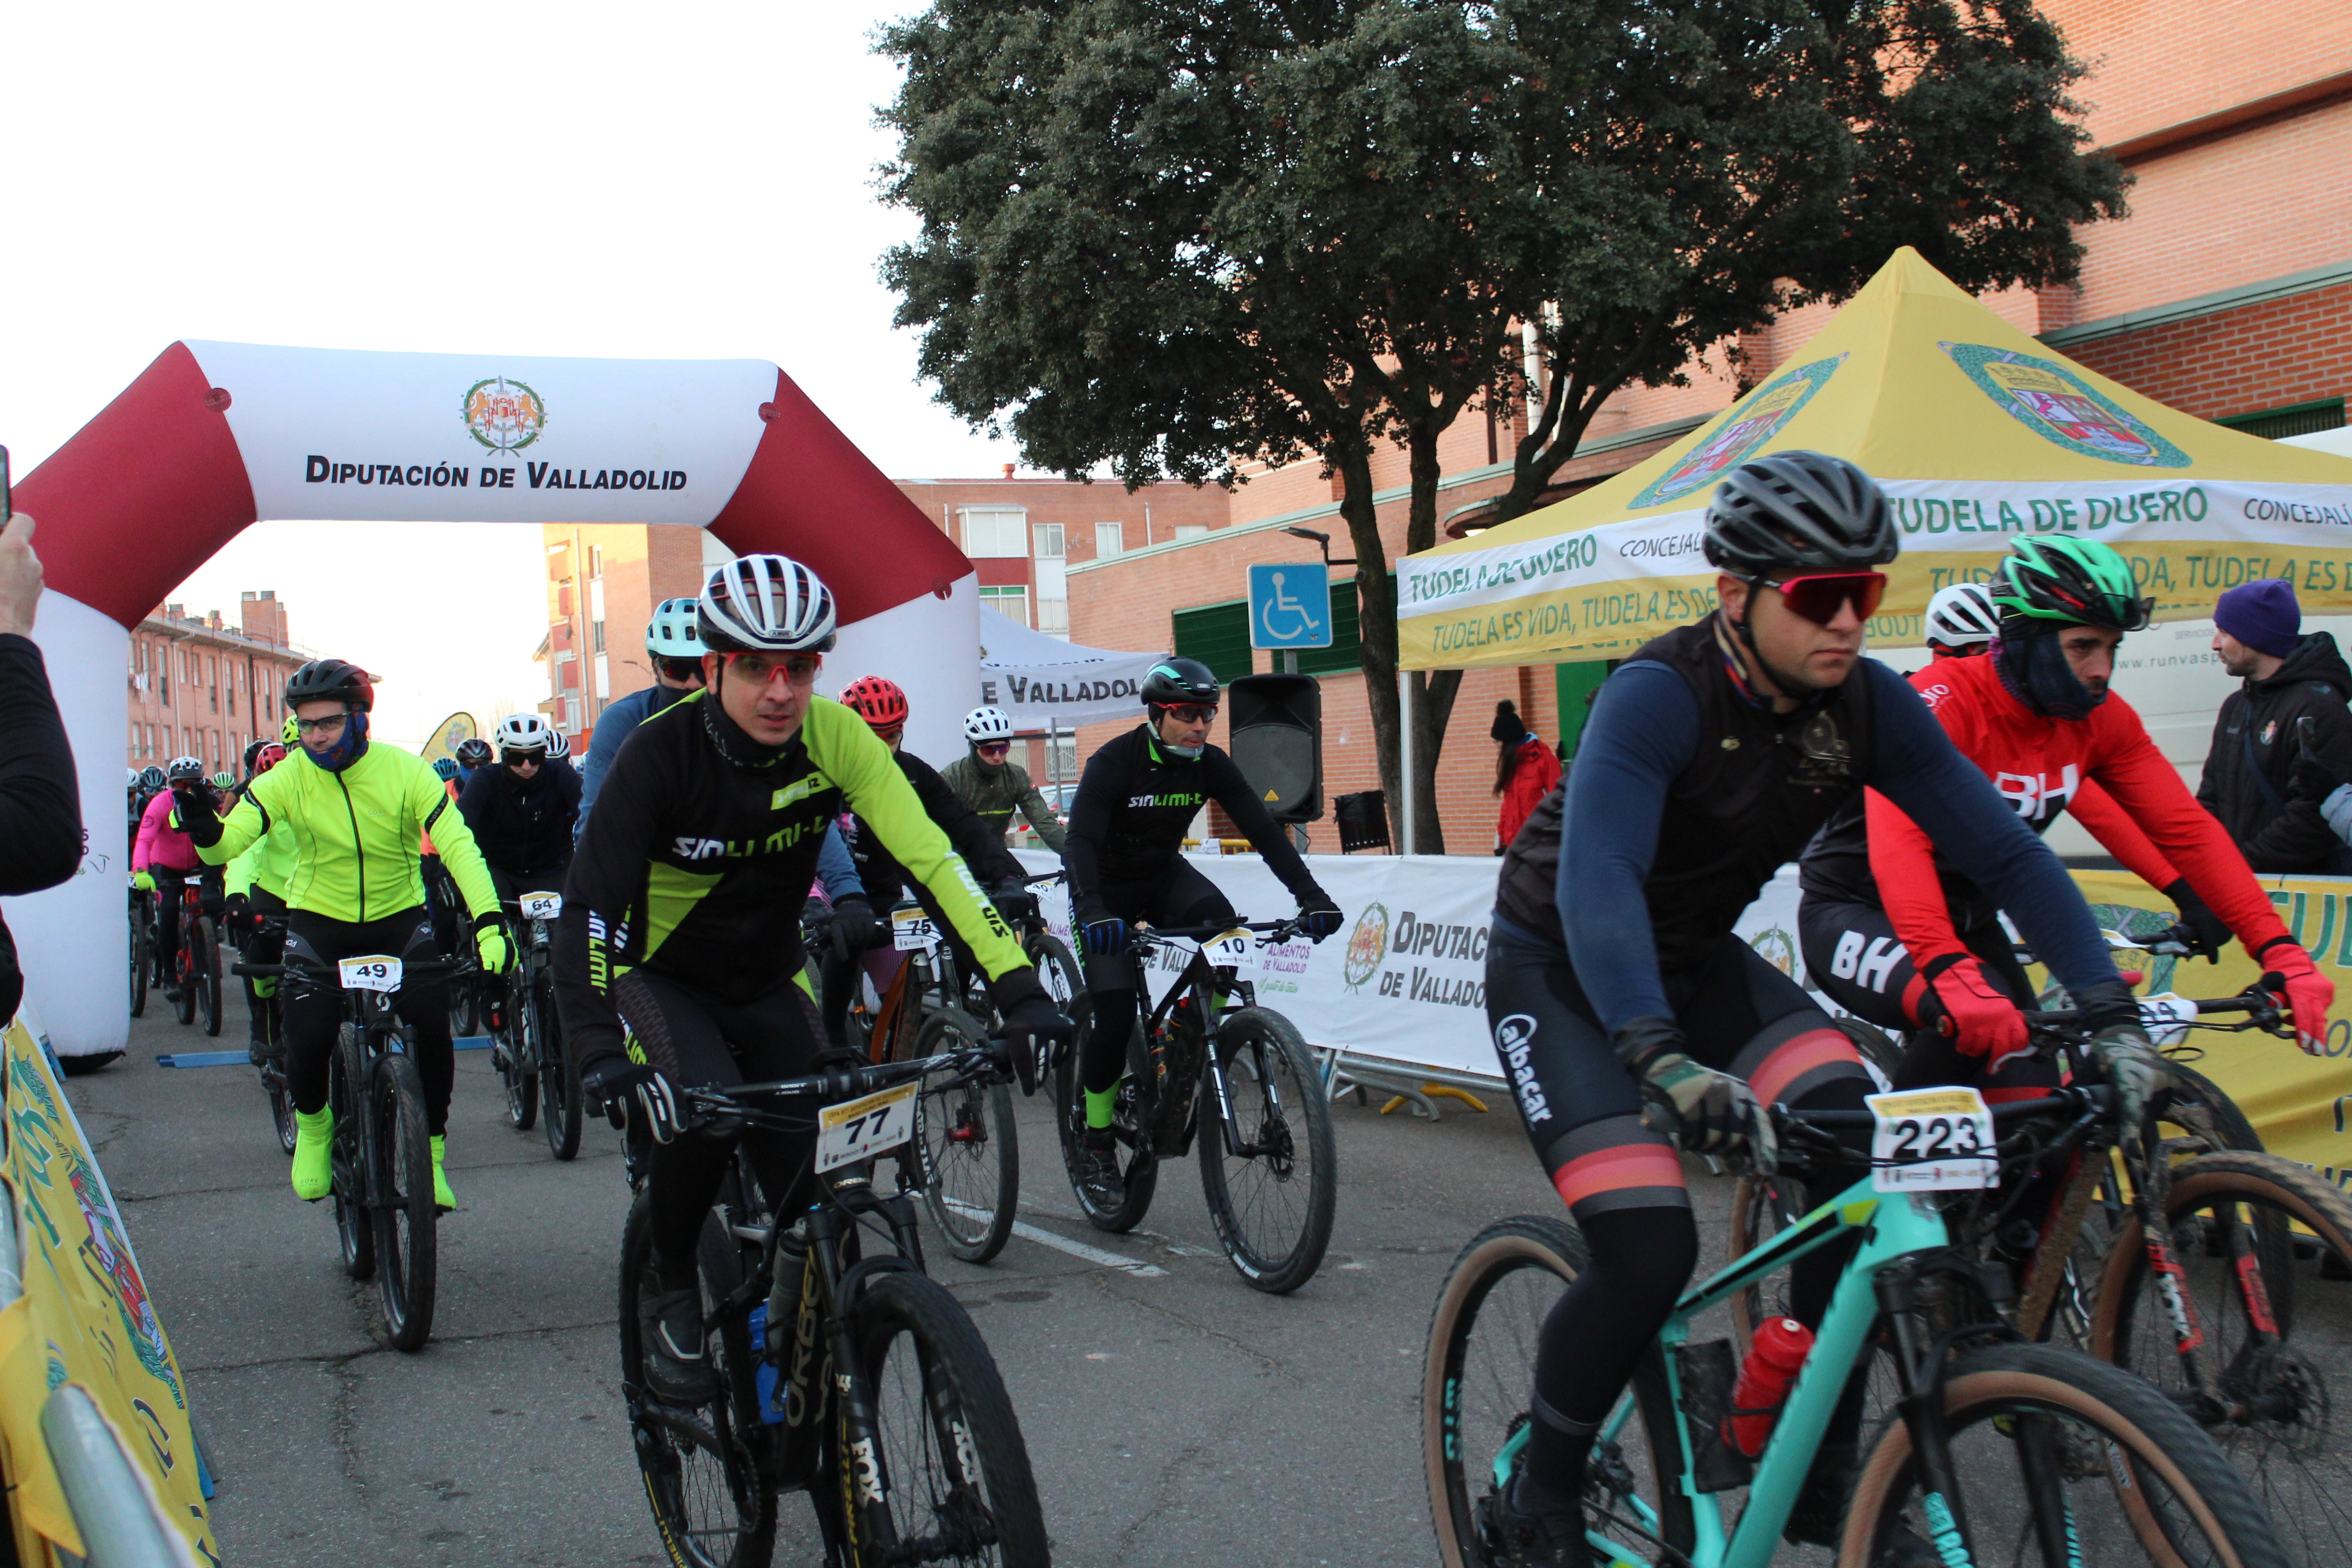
<point x="1477" y="1376"/>
<point x="1131" y="1138"/>
<point x="955" y="1481"/>
<point x="405" y="1221"/>
<point x="703" y="1469"/>
<point x="1271" y="1193"/>
<point x="465" y="1010"/>
<point x="143" y="959"/>
<point x="281" y="1105"/>
<point x="207" y="978"/>
<point x="354" y="1226"/>
<point x="183" y="970"/>
<point x="559" y="1086"/>
<point x="2234" y="1221"/>
<point x="970" y="1154"/>
<point x="2060" y="1459"/>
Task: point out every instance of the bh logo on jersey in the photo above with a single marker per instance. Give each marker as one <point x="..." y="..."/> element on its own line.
<point x="2036" y="798"/>
<point x="1866" y="962"/>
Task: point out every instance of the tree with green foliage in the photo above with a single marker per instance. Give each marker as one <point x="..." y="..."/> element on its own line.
<point x="1170" y="237"/>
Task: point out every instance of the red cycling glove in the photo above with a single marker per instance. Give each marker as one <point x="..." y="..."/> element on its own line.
<point x="1985" y="1021"/>
<point x="2309" y="993"/>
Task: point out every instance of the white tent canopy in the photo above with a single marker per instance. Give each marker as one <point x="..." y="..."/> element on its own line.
<point x="1043" y="681"/>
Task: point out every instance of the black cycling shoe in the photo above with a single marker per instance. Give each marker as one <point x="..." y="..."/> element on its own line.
<point x="1098" y="1168"/>
<point x="676" y="1370"/>
<point x="1534" y="1539"/>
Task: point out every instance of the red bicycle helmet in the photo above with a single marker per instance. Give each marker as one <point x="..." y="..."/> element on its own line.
<point x="266" y="756"/>
<point x="877" y="702"/>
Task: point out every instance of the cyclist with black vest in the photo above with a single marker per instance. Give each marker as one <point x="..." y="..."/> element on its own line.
<point x="681" y="920"/>
<point x="1629" y="1017"/>
<point x="1136" y="801"/>
<point x="1896" y="932"/>
<point x="358" y="814"/>
<point x="521" y="811"/>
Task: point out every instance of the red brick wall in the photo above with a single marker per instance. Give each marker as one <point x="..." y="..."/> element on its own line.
<point x="2158" y="63"/>
<point x="229" y="697"/>
<point x="2269" y="355"/>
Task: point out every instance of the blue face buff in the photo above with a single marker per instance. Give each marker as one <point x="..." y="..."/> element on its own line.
<point x="2033" y="669"/>
<point x="349" y="747"/>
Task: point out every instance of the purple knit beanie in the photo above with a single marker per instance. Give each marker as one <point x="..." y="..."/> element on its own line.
<point x="2262" y="615"/>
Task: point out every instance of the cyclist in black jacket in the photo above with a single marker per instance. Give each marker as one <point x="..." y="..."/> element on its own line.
<point x="521" y="811"/>
<point x="1136" y="799"/>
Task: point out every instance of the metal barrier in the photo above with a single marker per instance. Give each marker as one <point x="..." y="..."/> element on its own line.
<point x="112" y="1508"/>
<point x="1346" y="1072"/>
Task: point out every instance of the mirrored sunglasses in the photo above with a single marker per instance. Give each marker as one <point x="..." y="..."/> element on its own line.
<point x="1818" y="598"/>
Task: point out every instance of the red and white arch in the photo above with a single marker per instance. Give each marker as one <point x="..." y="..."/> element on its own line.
<point x="215" y="435"/>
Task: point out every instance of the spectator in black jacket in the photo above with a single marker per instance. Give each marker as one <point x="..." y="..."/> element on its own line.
<point x="40" y="802"/>
<point x="2291" y="707"/>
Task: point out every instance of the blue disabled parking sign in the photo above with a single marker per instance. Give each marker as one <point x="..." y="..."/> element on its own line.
<point x="1289" y="605"/>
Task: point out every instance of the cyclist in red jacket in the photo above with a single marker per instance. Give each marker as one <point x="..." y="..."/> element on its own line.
<point x="1893" y="933"/>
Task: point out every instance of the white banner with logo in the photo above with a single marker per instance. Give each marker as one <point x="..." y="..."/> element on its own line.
<point x="1405" y="978"/>
<point x="1042" y="680"/>
<point x="466" y="439"/>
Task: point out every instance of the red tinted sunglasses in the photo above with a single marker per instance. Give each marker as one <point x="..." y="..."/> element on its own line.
<point x="1819" y="597"/>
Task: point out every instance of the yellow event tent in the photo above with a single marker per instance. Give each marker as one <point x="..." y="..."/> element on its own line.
<point x="1978" y="434"/>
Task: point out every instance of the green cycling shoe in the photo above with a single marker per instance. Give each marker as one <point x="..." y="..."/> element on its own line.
<point x="314" y="1141"/>
<point x="442" y="1199"/>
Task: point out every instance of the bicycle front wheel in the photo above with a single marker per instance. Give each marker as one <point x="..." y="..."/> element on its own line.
<point x="183" y="969"/>
<point x="207" y="977"/>
<point x="355" y="1225"/>
<point x="1269" y="1174"/>
<point x="701" y="1467"/>
<point x="518" y="1056"/>
<point x="559" y="1086"/>
<point x="1131" y="1133"/>
<point x="402" y="1199"/>
<point x="1477" y="1374"/>
<point x="142" y="960"/>
<point x="970" y="1154"/>
<point x="954" y="1479"/>
<point x="1057" y="969"/>
<point x="2273" y="1332"/>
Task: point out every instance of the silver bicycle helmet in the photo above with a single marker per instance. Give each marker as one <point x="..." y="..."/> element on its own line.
<point x="765" y="604"/>
<point x="1962" y="616"/>
<point x="1798" y="511"/>
<point x="183" y="768"/>
<point x="673" y="633"/>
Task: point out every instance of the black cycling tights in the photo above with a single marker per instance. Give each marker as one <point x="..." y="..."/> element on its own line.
<point x="313" y="1012"/>
<point x="1179" y="898"/>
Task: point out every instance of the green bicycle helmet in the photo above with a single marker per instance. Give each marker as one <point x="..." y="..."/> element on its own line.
<point x="2072" y="580"/>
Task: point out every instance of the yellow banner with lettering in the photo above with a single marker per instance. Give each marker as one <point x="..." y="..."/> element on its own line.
<point x="2297" y="1103"/>
<point x="80" y="1315"/>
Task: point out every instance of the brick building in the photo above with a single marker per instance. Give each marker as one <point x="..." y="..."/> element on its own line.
<point x="603" y="575"/>
<point x="201" y="688"/>
<point x="2227" y="294"/>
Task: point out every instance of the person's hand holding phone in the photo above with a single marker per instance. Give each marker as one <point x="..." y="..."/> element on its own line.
<point x="20" y="576"/>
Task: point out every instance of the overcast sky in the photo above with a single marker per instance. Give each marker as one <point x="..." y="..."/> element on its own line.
<point x="686" y="181"/>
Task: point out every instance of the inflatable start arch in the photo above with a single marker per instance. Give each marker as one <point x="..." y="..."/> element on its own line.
<point x="212" y="436"/>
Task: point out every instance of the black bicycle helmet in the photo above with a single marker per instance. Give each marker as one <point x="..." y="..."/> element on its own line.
<point x="473" y="752"/>
<point x="150" y="778"/>
<point x="1798" y="511"/>
<point x="1175" y="680"/>
<point x="331" y="679"/>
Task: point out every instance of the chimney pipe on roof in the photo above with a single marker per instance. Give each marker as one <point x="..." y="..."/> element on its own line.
<point x="1008" y="470"/>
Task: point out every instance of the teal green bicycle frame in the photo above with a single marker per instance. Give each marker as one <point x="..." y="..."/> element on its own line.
<point x="1891" y="1226"/>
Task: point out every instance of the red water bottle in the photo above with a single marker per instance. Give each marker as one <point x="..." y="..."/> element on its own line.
<point x="1778" y="1349"/>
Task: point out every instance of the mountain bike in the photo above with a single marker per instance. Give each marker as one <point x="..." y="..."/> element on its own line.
<point x="382" y="1158"/>
<point x="2180" y="1252"/>
<point x="272" y="1067"/>
<point x="1268" y="1167"/>
<point x="1990" y="1449"/>
<point x="143" y="949"/>
<point x="195" y="962"/>
<point x="870" y="1390"/>
<point x="530" y="1057"/>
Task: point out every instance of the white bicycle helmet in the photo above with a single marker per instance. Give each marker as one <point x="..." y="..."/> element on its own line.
<point x="183" y="768"/>
<point x="765" y="604"/>
<point x="559" y="746"/>
<point x="523" y="732"/>
<point x="673" y="632"/>
<point x="982" y="724"/>
<point x="1962" y="616"/>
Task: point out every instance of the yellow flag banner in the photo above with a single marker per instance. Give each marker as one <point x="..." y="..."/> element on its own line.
<point x="449" y="735"/>
<point x="75" y="1314"/>
<point x="2297" y="1103"/>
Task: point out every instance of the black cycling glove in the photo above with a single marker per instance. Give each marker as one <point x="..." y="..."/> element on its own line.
<point x="1100" y="933"/>
<point x="616" y="1080"/>
<point x="1014" y="902"/>
<point x="2203" y="930"/>
<point x="854" y="926"/>
<point x="1031" y="1030"/>
<point x="199" y="815"/>
<point x="1319" y="917"/>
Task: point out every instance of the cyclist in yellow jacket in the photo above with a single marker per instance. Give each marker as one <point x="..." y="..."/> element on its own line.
<point x="356" y="812"/>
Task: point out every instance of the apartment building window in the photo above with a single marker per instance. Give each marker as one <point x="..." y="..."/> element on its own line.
<point x="1012" y="603"/>
<point x="603" y="666"/>
<point x="1053" y="615"/>
<point x="1052" y="573"/>
<point x="1218" y="635"/>
<point x="1110" y="538"/>
<point x="596" y="560"/>
<point x="1048" y="539"/>
<point x="1191" y="530"/>
<point x="995" y="531"/>
<point x="2295" y="419"/>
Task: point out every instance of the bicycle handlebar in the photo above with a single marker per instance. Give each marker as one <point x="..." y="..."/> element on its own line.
<point x="1201" y="934"/>
<point x="839" y="1083"/>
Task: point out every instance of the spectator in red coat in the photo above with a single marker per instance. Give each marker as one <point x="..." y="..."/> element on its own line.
<point x="1524" y="772"/>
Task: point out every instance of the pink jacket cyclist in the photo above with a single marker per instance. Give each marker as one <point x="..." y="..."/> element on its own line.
<point x="160" y="845"/>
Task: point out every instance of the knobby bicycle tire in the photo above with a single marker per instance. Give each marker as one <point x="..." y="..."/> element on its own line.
<point x="407" y="1227"/>
<point x="354" y="1226"/>
<point x="1063" y="980"/>
<point x="1139" y="1166"/>
<point x="710" y="1457"/>
<point x="183" y="970"/>
<point x="968" y="1151"/>
<point x="1478" y="1371"/>
<point x="521" y="1083"/>
<point x="143" y="959"/>
<point x="1285" y="1253"/>
<point x="208" y="975"/>
<point x="950" y="1445"/>
<point x="2139" y="1476"/>
<point x="2286" y="1439"/>
<point x="561" y="1106"/>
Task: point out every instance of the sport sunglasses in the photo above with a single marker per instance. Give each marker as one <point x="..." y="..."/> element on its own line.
<point x="1192" y="713"/>
<point x="1818" y="596"/>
